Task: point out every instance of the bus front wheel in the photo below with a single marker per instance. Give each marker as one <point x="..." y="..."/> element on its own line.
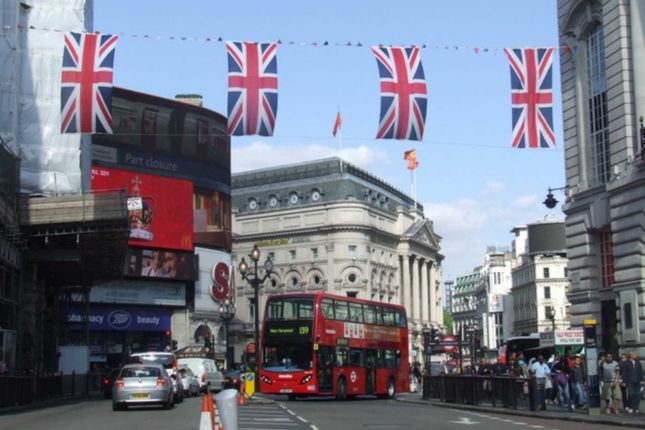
<point x="341" y="389"/>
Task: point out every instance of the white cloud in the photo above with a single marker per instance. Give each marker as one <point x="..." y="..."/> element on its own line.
<point x="259" y="154"/>
<point x="469" y="225"/>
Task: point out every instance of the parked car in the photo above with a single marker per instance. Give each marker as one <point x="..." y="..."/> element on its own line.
<point x="142" y="384"/>
<point x="233" y="379"/>
<point x="189" y="381"/>
<point x="209" y="376"/>
<point x="108" y="382"/>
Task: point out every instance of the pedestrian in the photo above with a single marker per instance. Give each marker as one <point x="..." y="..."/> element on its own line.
<point x="611" y="379"/>
<point x="541" y="370"/>
<point x="633" y="379"/>
<point x="622" y="363"/>
<point x="578" y="382"/>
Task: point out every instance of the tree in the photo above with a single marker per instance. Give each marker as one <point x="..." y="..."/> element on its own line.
<point x="448" y="321"/>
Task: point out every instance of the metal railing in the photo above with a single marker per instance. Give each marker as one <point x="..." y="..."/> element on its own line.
<point x="23" y="390"/>
<point x="496" y="391"/>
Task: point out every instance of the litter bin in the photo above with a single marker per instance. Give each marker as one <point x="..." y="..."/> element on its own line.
<point x="227" y="406"/>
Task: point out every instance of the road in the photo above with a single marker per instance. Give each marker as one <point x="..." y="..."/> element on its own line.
<point x="306" y="414"/>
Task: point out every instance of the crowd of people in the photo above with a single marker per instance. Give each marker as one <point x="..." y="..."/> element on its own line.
<point x="562" y="380"/>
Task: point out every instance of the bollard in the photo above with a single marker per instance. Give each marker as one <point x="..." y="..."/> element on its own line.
<point x="227" y="406"/>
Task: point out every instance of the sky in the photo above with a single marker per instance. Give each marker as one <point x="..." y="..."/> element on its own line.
<point x="472" y="184"/>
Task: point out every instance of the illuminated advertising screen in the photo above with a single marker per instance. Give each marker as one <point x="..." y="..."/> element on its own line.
<point x="160" y="209"/>
<point x="153" y="263"/>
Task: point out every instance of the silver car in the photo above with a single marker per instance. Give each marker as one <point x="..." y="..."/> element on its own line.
<point x="142" y="384"/>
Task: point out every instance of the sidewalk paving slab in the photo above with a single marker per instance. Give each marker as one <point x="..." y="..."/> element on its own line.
<point x="623" y="420"/>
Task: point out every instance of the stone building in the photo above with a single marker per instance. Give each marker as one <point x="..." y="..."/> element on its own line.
<point x="603" y="93"/>
<point x="331" y="226"/>
<point x="540" y="281"/>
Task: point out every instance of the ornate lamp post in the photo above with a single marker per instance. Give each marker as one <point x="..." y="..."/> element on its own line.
<point x="227" y="313"/>
<point x="552" y="316"/>
<point x="256" y="281"/>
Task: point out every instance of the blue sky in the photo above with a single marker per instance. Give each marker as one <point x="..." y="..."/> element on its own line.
<point x="473" y="185"/>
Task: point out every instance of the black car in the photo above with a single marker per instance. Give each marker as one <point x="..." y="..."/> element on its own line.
<point x="233" y="379"/>
<point x="108" y="382"/>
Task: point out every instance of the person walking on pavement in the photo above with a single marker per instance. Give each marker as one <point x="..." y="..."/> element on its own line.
<point x="611" y="394"/>
<point x="578" y="381"/>
<point x="541" y="371"/>
<point x="633" y="378"/>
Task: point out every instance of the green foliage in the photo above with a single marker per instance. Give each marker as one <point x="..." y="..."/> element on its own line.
<point x="448" y="322"/>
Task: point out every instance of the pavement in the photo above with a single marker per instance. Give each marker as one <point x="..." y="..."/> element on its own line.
<point x="552" y="412"/>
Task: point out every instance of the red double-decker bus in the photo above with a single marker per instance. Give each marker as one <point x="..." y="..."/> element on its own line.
<point x="322" y="344"/>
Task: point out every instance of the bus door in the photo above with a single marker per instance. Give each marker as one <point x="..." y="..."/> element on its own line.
<point x="370" y="370"/>
<point x="324" y="367"/>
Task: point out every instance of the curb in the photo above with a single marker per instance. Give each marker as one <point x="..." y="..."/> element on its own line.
<point x="8" y="410"/>
<point x="501" y="411"/>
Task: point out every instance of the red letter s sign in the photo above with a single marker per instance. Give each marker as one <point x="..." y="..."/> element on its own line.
<point x="221" y="279"/>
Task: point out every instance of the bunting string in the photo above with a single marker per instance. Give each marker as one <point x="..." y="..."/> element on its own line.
<point x="315" y="44"/>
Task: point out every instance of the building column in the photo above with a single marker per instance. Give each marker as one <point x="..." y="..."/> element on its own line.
<point x="405" y="274"/>
<point x="433" y="294"/>
<point x="416" y="303"/>
<point x="425" y="287"/>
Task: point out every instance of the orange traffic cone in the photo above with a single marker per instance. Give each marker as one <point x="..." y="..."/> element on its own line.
<point x="206" y="418"/>
<point x="241" y="400"/>
<point x="217" y="422"/>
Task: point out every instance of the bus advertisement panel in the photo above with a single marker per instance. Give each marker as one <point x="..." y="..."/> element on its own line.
<point x="322" y="344"/>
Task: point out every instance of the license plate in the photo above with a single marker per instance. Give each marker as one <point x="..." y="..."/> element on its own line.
<point x="140" y="396"/>
<point x="286" y="390"/>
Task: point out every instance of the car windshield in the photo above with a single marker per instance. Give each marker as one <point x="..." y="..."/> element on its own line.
<point x="140" y="372"/>
<point x="287" y="357"/>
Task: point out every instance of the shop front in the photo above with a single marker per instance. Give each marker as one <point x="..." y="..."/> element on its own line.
<point x="118" y="331"/>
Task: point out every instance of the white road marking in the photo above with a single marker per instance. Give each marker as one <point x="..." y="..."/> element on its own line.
<point x="465" y="421"/>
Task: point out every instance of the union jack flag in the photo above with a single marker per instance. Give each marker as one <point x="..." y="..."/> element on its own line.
<point x="252" y="88"/>
<point x="404" y="96"/>
<point x="86" y="83"/>
<point x="532" y="97"/>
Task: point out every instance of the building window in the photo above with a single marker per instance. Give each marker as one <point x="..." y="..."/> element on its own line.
<point x="547" y="312"/>
<point x="627" y="316"/>
<point x="606" y="259"/>
<point x="292" y="255"/>
<point x="547" y="292"/>
<point x="351" y="278"/>
<point x="272" y="256"/>
<point x="546" y="273"/>
<point x="214" y="206"/>
<point x="351" y="251"/>
<point x="597" y="105"/>
<point x="352" y="294"/>
<point x="314" y="253"/>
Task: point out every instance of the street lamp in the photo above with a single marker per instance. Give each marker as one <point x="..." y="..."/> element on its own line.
<point x="551" y="201"/>
<point x="256" y="281"/>
<point x="226" y="314"/>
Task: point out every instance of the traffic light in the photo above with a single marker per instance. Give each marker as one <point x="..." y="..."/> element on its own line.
<point x="174" y="345"/>
<point x="167" y="341"/>
<point x="478" y="342"/>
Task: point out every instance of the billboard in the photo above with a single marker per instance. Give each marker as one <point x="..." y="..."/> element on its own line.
<point x="154" y="263"/>
<point x="160" y="209"/>
<point x="546" y="238"/>
<point x="133" y="292"/>
<point x="121" y="319"/>
<point x="214" y="282"/>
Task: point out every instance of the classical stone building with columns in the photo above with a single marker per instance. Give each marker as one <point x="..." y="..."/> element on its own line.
<point x="330" y="226"/>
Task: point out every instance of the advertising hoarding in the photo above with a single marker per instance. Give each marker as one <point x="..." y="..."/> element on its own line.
<point x="214" y="282"/>
<point x="164" y="219"/>
<point x="153" y="263"/>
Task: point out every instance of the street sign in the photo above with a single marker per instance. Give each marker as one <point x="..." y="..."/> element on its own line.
<point x="589" y="322"/>
<point x="449" y="343"/>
